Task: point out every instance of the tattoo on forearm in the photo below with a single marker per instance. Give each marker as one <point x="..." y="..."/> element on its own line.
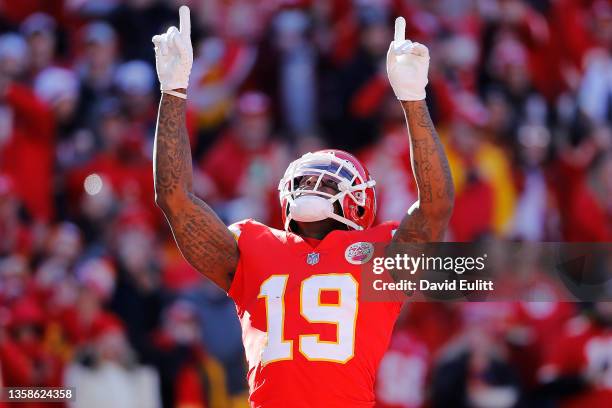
<point x="422" y="167"/>
<point x="421" y="113"/>
<point x="431" y="166"/>
<point x="202" y="237"/>
<point x="428" y="219"/>
<point x="172" y="152"/>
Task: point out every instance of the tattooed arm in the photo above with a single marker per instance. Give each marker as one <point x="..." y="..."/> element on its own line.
<point x="201" y="236"/>
<point x="428" y="218"/>
<point x="407" y="69"/>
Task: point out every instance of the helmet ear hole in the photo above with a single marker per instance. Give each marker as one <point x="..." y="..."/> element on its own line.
<point x="360" y="211"/>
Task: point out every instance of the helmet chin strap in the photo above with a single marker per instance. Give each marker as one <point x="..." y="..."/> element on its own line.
<point x="345" y="221"/>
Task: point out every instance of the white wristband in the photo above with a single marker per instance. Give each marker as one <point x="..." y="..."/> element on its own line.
<point x="177" y="94"/>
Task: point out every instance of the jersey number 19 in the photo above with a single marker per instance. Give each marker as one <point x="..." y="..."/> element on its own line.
<point x="343" y="315"/>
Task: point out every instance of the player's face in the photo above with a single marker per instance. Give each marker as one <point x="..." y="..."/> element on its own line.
<point x="328" y="185"/>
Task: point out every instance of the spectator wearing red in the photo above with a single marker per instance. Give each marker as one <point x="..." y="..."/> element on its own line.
<point x="26" y="362"/>
<point x="403" y="373"/>
<point x="17" y="237"/>
<point x="87" y="316"/>
<point x="589" y="214"/>
<point x="350" y="93"/>
<point x="191" y="377"/>
<point x="577" y="367"/>
<point x="120" y="164"/>
<point x="26" y="151"/>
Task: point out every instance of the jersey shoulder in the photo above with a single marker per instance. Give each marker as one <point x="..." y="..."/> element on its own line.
<point x="255" y="237"/>
<point x="255" y="242"/>
<point x="251" y="228"/>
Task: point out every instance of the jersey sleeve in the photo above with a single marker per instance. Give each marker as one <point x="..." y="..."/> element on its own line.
<point x="236" y="290"/>
<point x="387" y="230"/>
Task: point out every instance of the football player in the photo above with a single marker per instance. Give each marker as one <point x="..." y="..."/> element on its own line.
<point x="309" y="341"/>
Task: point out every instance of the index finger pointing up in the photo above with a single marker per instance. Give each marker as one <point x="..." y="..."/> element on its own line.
<point x="400" y="29"/>
<point x="184" y="20"/>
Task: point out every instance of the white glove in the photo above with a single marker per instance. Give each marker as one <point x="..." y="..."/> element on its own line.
<point x="174" y="54"/>
<point x="407" y="65"/>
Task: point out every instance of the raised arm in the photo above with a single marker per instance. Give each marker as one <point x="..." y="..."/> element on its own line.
<point x="201" y="236"/>
<point x="427" y="219"/>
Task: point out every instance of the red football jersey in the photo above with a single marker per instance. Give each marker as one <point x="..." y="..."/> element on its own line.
<point x="309" y="341"/>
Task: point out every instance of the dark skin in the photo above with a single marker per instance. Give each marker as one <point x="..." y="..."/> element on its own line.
<point x="427" y="219"/>
<point x="210" y="247"/>
<point x="201" y="236"/>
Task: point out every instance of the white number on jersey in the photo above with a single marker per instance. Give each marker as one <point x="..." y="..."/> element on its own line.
<point x="343" y="315"/>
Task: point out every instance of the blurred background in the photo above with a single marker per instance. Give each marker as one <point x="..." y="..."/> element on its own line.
<point x="93" y="291"/>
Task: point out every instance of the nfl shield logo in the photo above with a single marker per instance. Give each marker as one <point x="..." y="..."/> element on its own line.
<point x="312" y="258"/>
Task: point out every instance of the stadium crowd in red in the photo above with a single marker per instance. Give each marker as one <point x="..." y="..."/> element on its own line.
<point x="93" y="292"/>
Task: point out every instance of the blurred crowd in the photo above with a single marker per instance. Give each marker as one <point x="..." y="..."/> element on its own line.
<point x="93" y="291"/>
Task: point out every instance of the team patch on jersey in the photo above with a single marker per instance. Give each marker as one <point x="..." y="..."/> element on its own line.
<point x="359" y="253"/>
